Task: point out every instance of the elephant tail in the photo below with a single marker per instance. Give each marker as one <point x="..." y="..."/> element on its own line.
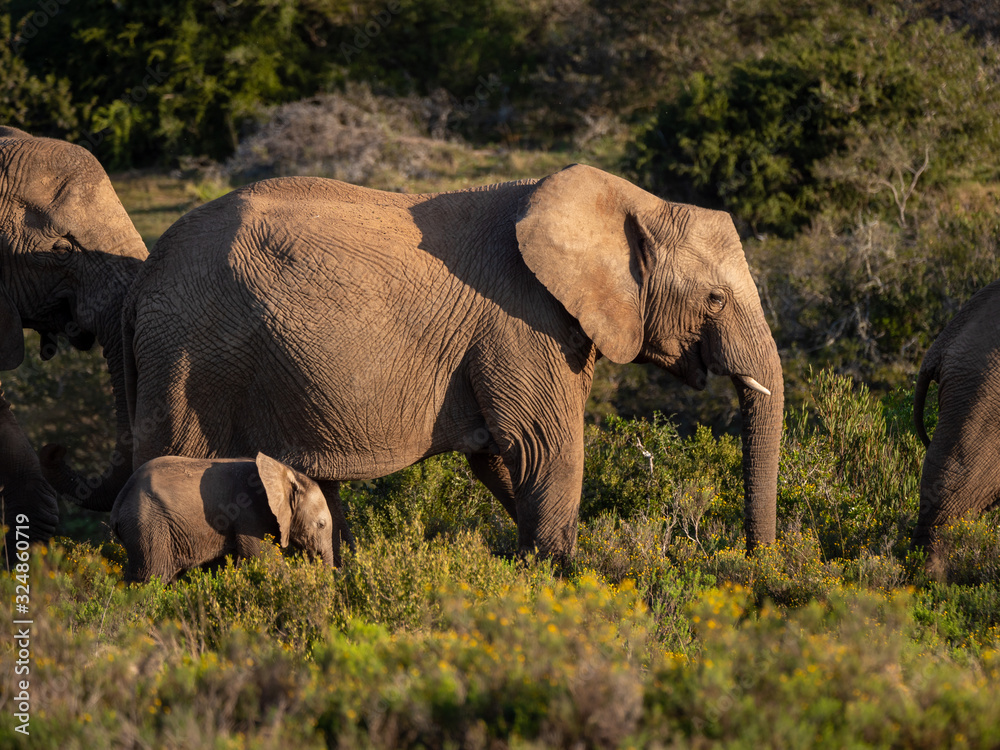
<point x="929" y="372"/>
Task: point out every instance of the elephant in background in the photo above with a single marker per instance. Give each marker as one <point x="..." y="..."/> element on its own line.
<point x="352" y="332"/>
<point x="68" y="253"/>
<point x="23" y="489"/>
<point x="175" y="513"/>
<point x="961" y="473"/>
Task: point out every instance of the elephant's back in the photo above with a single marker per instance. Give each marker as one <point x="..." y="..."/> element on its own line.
<point x="972" y="335"/>
<point x="284" y="315"/>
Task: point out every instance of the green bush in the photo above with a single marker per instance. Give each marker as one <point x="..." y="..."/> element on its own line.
<point x="644" y="467"/>
<point x="970" y="550"/>
<point x="853" y="475"/>
<point x="790" y="572"/>
<point x="965" y="617"/>
<point x="841" y="120"/>
<point x="844" y="674"/>
<point x="439" y="494"/>
<point x="557" y="662"/>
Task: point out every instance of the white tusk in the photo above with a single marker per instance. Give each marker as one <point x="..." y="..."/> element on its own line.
<point x="751" y="383"/>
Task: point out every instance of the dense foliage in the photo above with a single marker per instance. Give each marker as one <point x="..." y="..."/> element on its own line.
<point x="145" y="82"/>
<point x="838" y="121"/>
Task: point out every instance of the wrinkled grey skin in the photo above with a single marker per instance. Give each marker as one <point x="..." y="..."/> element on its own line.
<point x="23" y="489"/>
<point x="68" y="253"/>
<point x="961" y="473"/>
<point x="175" y="513"/>
<point x="351" y="332"/>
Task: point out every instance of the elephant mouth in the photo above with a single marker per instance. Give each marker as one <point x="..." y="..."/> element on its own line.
<point x="697" y="376"/>
<point x="691" y="371"/>
<point x="687" y="366"/>
<point x="696" y="369"/>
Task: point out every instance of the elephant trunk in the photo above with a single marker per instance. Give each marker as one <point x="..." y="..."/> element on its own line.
<point x="762" y="424"/>
<point x="99" y="492"/>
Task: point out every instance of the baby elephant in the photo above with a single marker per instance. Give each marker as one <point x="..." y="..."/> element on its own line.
<point x="175" y="513"/>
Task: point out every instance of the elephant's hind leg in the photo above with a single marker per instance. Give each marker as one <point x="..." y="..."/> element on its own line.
<point x="954" y="483"/>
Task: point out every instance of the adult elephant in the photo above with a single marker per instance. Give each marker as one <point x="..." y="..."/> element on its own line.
<point x="961" y="473"/>
<point x="68" y="253"/>
<point x="350" y="332"/>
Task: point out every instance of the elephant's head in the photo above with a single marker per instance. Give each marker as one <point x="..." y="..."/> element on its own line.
<point x="298" y="503"/>
<point x="68" y="250"/>
<point x="68" y="254"/>
<point x="651" y="281"/>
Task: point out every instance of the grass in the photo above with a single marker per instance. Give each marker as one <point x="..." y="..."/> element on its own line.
<point x="154" y="200"/>
<point x="660" y="632"/>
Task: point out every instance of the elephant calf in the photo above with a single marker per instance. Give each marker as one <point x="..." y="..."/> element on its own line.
<point x="961" y="473"/>
<point x="175" y="513"/>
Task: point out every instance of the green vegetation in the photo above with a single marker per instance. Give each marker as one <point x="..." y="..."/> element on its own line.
<point x="661" y="629"/>
<point x="855" y="145"/>
<point x="834" y="121"/>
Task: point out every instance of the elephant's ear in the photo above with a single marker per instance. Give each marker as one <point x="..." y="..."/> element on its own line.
<point x="279" y="486"/>
<point x="581" y="234"/>
<point x="11" y="333"/>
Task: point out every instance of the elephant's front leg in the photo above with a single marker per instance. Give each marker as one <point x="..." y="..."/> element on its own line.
<point x="248" y="545"/>
<point x="547" y="482"/>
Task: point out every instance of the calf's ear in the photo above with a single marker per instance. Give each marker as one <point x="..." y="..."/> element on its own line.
<point x="277" y="480"/>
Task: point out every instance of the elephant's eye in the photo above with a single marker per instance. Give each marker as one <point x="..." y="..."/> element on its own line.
<point x="62" y="245"/>
<point x="321" y="523"/>
<point x="716" y="300"/>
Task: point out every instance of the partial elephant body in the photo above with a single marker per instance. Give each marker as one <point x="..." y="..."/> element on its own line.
<point x="961" y="473"/>
<point x="177" y="513"/>
<point x="352" y="332"/>
<point x="69" y="254"/>
<point x="384" y="287"/>
<point x="23" y="490"/>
